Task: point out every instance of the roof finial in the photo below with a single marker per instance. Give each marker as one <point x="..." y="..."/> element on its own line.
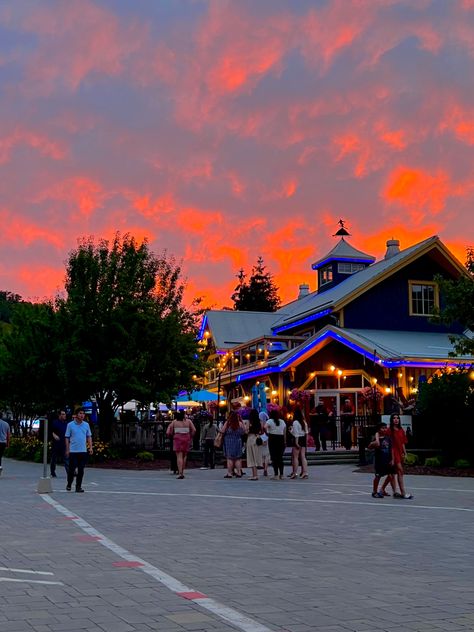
<point x="342" y="232"/>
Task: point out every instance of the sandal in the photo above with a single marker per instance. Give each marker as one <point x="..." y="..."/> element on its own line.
<point x="292" y="476"/>
<point x="304" y="476"/>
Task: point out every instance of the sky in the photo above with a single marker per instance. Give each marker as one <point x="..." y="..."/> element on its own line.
<point x="224" y="130"/>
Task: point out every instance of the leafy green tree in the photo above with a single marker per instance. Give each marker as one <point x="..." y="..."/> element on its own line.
<point x="259" y="294"/>
<point x="29" y="383"/>
<point x="8" y="300"/>
<point x="446" y="408"/>
<point x="459" y="305"/>
<point x="125" y="332"/>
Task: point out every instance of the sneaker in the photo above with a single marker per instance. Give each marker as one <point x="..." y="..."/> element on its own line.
<point x="203" y="468"/>
<point x="377" y="495"/>
<point x="68" y="488"/>
<point x="408" y="496"/>
<point x="79" y="490"/>
<point x="53" y="475"/>
<point x="397" y="495"/>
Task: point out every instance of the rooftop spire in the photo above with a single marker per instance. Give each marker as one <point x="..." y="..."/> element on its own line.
<point x="342" y="232"/>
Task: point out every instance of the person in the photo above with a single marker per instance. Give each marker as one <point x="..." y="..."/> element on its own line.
<point x="264" y="451"/>
<point x="332" y="429"/>
<point x="383" y="461"/>
<point x="347" y="419"/>
<point x="199" y="420"/>
<point x="254" y="441"/>
<point x="78" y="439"/>
<point x="276" y="430"/>
<point x="319" y="422"/>
<point x="233" y="431"/>
<point x="4" y="439"/>
<point x="299" y="430"/>
<point x="58" y="443"/>
<point x="209" y="434"/>
<point x="399" y="441"/>
<point x="182" y="430"/>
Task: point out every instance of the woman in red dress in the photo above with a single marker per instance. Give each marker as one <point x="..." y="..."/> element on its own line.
<point x="399" y="440"/>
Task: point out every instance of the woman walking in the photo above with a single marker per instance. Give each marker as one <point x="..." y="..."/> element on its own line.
<point x="254" y="459"/>
<point x="399" y="453"/>
<point x="233" y="431"/>
<point x="209" y="434"/>
<point x="299" y="430"/>
<point x="182" y="430"/>
<point x="276" y="430"/>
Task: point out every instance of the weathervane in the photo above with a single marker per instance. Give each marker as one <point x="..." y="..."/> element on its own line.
<point x="342" y="232"/>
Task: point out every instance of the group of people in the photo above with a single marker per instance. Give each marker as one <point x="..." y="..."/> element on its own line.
<point x="389" y="446"/>
<point x="264" y="436"/>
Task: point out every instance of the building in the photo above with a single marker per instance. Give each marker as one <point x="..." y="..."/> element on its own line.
<point x="366" y="335"/>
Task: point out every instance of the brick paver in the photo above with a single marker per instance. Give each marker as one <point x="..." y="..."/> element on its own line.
<point x="292" y="556"/>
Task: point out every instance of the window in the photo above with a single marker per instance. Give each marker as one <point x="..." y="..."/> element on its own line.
<point x="349" y="268"/>
<point x="423" y="298"/>
<point x="325" y="275"/>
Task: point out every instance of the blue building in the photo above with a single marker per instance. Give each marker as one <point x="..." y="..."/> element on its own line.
<point x="368" y="328"/>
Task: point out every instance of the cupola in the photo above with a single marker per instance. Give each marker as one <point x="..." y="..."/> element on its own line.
<point x="340" y="262"/>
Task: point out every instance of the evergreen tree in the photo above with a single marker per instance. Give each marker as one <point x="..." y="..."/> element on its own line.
<point x="259" y="294"/>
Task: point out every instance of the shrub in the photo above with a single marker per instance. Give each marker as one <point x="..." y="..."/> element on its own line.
<point x="145" y="456"/>
<point x="434" y="461"/>
<point x="38" y="455"/>
<point x="411" y="459"/>
<point x="24" y="448"/>
<point x="462" y="463"/>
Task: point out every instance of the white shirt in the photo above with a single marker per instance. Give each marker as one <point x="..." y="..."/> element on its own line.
<point x="297" y="429"/>
<point x="272" y="428"/>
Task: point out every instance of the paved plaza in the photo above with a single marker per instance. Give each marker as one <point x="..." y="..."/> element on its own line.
<point x="142" y="551"/>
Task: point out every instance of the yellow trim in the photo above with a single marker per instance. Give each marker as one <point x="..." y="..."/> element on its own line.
<point x="433" y="284"/>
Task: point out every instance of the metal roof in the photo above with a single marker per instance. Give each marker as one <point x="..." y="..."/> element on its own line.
<point x="343" y="251"/>
<point x="230" y="328"/>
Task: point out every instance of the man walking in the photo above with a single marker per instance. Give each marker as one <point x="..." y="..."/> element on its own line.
<point x="78" y="443"/>
<point x="4" y="439"/>
<point x="58" y="444"/>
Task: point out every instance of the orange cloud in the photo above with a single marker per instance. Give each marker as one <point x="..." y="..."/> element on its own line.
<point x="38" y="141"/>
<point x="418" y="191"/>
<point x="18" y="230"/>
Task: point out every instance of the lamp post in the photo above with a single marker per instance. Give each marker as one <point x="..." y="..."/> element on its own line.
<point x="44" y="483"/>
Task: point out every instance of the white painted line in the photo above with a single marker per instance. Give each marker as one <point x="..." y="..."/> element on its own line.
<point x="30" y="581"/>
<point x="24" y="570"/>
<point x="231" y="616"/>
<point x="370" y="503"/>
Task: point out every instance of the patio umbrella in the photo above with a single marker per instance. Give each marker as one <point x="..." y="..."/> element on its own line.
<point x="255" y="397"/>
<point x="197" y="396"/>
<point x="263" y="397"/>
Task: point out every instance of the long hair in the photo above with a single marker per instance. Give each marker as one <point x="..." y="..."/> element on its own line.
<point x="233" y="420"/>
<point x="392" y="425"/>
<point x="275" y="415"/>
<point x="298" y="416"/>
<point x="255" y="426"/>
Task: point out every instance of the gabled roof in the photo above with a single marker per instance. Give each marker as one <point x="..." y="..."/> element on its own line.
<point x="343" y="251"/>
<point x="230" y="328"/>
<point x="386" y="347"/>
<point x="337" y="297"/>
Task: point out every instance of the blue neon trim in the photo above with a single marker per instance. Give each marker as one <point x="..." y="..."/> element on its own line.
<point x="302" y="321"/>
<point x="316" y="266"/>
<point x="257" y="373"/>
<point x="203" y="327"/>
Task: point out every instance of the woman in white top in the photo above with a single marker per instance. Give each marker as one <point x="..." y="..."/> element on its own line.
<point x="276" y="431"/>
<point x="299" y="430"/>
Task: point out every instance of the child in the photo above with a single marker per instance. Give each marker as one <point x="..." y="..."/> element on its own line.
<point x="383" y="461"/>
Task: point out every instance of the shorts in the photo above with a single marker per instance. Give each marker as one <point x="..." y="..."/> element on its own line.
<point x="384" y="470"/>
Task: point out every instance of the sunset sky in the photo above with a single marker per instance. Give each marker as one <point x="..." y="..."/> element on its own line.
<point x="224" y="130"/>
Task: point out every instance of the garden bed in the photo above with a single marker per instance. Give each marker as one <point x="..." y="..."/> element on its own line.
<point x="425" y="470"/>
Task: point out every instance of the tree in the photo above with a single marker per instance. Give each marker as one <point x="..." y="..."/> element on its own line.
<point x="259" y="294"/>
<point x="459" y="305"/>
<point x="126" y="334"/>
<point x="8" y="300"/>
<point x="29" y="382"/>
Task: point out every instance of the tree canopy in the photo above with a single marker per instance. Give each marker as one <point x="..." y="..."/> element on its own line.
<point x="459" y="304"/>
<point x="119" y="332"/>
<point x="259" y="293"/>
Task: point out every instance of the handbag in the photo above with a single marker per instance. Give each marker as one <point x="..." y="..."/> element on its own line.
<point x="259" y="441"/>
<point x="218" y="440"/>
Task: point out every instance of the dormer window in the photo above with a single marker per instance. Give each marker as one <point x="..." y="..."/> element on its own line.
<point x="325" y="275"/>
<point x="424" y="297"/>
<point x="349" y="268"/>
